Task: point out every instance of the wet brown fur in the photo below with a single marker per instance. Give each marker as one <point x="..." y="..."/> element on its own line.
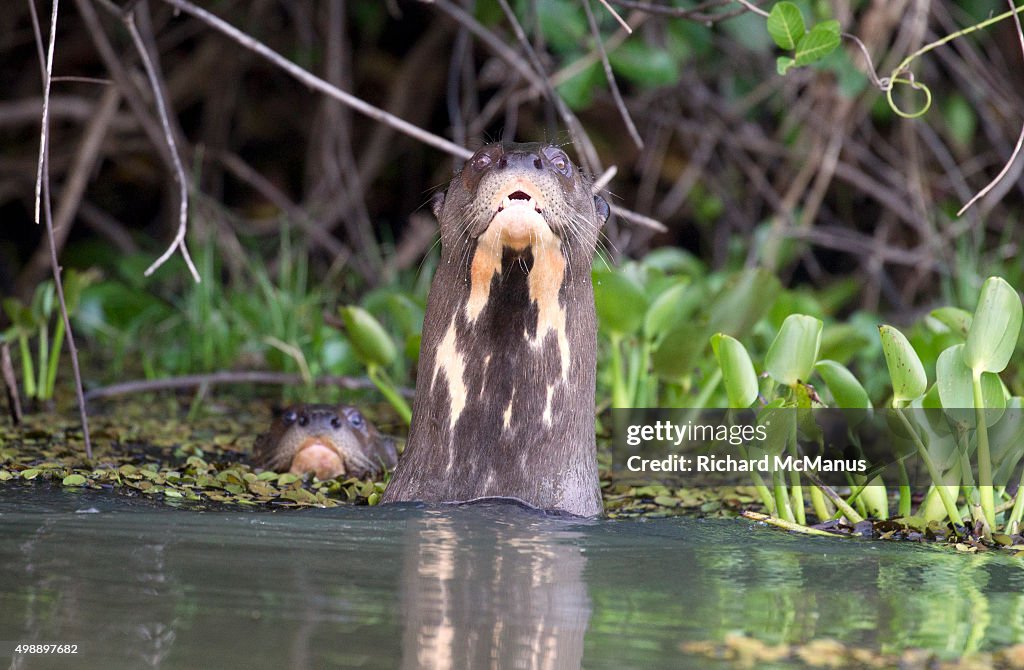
<point x="504" y="402"/>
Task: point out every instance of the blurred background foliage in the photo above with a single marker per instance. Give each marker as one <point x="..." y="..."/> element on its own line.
<point x="780" y="194"/>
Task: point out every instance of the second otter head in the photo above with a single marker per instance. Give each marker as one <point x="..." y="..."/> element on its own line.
<point x="327" y="440"/>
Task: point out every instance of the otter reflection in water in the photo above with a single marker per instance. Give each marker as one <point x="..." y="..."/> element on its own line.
<point x="493" y="587"/>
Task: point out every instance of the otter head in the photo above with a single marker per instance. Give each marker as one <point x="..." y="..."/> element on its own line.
<point x="504" y="401"/>
<point x="327" y="440"/>
<point x="518" y="196"/>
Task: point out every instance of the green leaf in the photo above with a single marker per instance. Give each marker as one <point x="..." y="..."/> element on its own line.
<point x="664" y="312"/>
<point x="831" y="25"/>
<point x="794" y="350"/>
<point x="995" y="328"/>
<point x="783" y="64"/>
<point x="956" y="319"/>
<point x="620" y="302"/>
<point x="846" y="390"/>
<point x="956" y="388"/>
<point x="905" y="369"/>
<point x="73" y="480"/>
<point x="737" y="370"/>
<point x="815" y="45"/>
<point x="786" y="25"/>
<point x="371" y="342"/>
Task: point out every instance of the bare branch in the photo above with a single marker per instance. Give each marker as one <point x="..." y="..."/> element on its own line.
<point x="44" y="131"/>
<point x="610" y="76"/>
<point x="1020" y="137"/>
<point x="43" y="198"/>
<point x="179" y="172"/>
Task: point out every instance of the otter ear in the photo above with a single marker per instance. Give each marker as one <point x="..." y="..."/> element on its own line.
<point x="601" y="206"/>
<point x="437" y="204"/>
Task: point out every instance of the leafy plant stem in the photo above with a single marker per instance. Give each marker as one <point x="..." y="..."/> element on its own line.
<point x="782" y="506"/>
<point x="27" y="369"/>
<point x="820" y="507"/>
<point x="905" y="500"/>
<point x="933" y="472"/>
<point x="51" y="376"/>
<point x="1018" y="508"/>
<point x="759" y="485"/>
<point x="639" y="366"/>
<point x="796" y="490"/>
<point x="714" y="379"/>
<point x="44" y="345"/>
<point x="988" y="506"/>
<point x="620" y="394"/>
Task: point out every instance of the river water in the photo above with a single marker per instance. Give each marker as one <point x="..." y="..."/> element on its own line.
<point x="137" y="584"/>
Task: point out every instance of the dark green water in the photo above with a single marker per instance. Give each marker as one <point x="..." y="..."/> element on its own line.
<point x="136" y="585"/>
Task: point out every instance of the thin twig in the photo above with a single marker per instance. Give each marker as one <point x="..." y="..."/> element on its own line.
<point x="179" y="172"/>
<point x="44" y="133"/>
<point x="605" y="177"/>
<point x="43" y="199"/>
<point x="786" y="525"/>
<point x="754" y="8"/>
<point x="615" y="14"/>
<point x="1020" y="137"/>
<point x="639" y="219"/>
<point x="610" y="76"/>
<point x="10" y="383"/>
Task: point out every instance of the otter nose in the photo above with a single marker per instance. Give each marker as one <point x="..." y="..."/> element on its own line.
<point x="522" y="161"/>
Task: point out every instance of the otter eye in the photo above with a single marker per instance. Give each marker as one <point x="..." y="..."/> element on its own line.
<point x="289" y="417"/>
<point x="356" y="419"/>
<point x="483" y="159"/>
<point x="558" y="160"/>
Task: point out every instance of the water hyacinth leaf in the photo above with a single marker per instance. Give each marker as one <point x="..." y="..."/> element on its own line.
<point x="620" y="302"/>
<point x="794" y="350"/>
<point x="786" y="25"/>
<point x="664" y="312"/>
<point x="846" y="390"/>
<point x="956" y="390"/>
<point x="73" y="480"/>
<point x="816" y="44"/>
<point x="371" y="342"/>
<point x="737" y="370"/>
<point x="996" y="327"/>
<point x="956" y="319"/>
<point x="905" y="369"/>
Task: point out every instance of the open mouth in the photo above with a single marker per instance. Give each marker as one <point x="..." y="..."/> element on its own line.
<point x="519" y="199"/>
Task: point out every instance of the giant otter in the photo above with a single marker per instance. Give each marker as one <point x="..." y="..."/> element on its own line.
<point x="327" y="440"/>
<point x="504" y="402"/>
